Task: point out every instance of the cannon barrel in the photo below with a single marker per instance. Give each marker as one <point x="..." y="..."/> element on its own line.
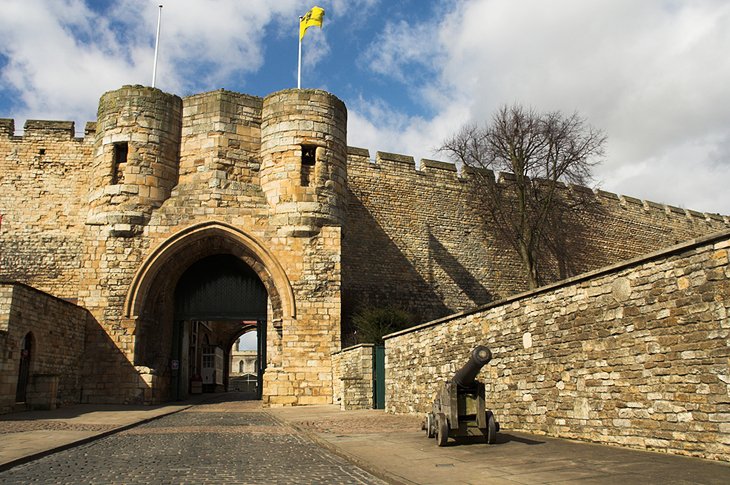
<point x="480" y="356"/>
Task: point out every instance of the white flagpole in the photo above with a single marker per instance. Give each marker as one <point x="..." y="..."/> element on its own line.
<point x="299" y="65"/>
<point x="157" y="45"/>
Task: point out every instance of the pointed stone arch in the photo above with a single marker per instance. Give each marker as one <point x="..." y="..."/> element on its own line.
<point x="187" y="243"/>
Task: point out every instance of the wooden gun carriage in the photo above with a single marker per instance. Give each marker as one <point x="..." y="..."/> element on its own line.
<point x="459" y="408"/>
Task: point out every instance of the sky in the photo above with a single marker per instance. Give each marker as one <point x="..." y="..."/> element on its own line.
<point x="654" y="75"/>
<point x="248" y="340"/>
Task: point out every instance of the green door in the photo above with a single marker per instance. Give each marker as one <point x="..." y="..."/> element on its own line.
<point x="379" y="377"/>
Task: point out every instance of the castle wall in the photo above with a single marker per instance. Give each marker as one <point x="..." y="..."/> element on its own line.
<point x="352" y="377"/>
<point x="114" y="219"/>
<point x="417" y="238"/>
<point x="58" y="330"/>
<point x="44" y="179"/>
<point x="634" y="355"/>
<point x="219" y="202"/>
<point x="414" y="240"/>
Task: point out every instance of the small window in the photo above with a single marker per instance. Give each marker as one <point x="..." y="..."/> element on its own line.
<point x="42" y="151"/>
<point x="119" y="162"/>
<point x="309" y="153"/>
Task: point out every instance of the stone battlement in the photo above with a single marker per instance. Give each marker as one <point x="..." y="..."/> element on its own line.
<point x="262" y="195"/>
<point x="236" y="109"/>
<point x="405" y="166"/>
<point x="33" y="130"/>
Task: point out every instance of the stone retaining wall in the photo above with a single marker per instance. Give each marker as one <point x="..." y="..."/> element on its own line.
<point x="352" y="377"/>
<point x="635" y="354"/>
<point x="57" y="331"/>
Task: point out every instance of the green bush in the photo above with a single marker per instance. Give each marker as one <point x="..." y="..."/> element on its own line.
<point x="371" y="323"/>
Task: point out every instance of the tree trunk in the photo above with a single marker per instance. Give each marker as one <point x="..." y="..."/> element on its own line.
<point x="529" y="265"/>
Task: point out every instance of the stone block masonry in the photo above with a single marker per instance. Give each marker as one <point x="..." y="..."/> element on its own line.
<point x="418" y="239"/>
<point x="352" y="377"/>
<point x="44" y="179"/>
<point x="57" y="337"/>
<point x="158" y="184"/>
<point x="635" y="354"/>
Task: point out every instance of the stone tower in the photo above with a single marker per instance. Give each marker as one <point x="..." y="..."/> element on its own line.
<point x="304" y="154"/>
<point x="136" y="155"/>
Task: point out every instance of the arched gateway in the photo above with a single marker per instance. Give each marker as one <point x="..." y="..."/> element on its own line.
<point x="195" y="294"/>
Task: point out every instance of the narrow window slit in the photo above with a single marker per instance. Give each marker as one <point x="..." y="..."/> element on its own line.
<point x="308" y="162"/>
<point x="119" y="162"/>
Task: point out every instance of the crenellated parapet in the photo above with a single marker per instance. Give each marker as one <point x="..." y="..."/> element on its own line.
<point x="659" y="210"/>
<point x="7" y="127"/>
<point x="441" y="172"/>
<point x="35" y="131"/>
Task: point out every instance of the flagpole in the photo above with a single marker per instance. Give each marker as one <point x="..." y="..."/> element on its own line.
<point x="157" y="45"/>
<point x="299" y="64"/>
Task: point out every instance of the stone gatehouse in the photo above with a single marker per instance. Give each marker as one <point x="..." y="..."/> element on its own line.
<point x="174" y="226"/>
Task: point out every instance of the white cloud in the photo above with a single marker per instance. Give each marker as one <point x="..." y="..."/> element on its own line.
<point x="374" y="125"/>
<point x="60" y="51"/>
<point x="399" y="46"/>
<point x="652" y="74"/>
<point x="62" y="55"/>
<point x="48" y="67"/>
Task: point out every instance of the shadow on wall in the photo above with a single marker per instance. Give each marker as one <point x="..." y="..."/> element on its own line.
<point x="460" y="275"/>
<point x="572" y="242"/>
<point x="375" y="272"/>
<point x="54" y="353"/>
<point x="108" y="377"/>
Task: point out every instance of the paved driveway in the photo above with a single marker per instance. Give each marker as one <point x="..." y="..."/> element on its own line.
<point x="225" y="442"/>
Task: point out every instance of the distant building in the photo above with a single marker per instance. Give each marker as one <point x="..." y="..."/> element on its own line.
<point x="242" y="361"/>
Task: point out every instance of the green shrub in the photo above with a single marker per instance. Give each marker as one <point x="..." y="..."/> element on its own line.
<point x="371" y="323"/>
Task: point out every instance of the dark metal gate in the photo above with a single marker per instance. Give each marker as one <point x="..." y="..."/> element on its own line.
<point x="379" y="377"/>
<point x="220" y="287"/>
<point x="260" y="357"/>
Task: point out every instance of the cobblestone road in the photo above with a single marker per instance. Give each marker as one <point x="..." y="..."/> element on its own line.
<point x="223" y="442"/>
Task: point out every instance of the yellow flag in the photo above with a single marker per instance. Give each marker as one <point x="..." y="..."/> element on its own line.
<point x="314" y="17"/>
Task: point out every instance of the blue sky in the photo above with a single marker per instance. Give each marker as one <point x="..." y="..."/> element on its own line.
<point x="652" y="74"/>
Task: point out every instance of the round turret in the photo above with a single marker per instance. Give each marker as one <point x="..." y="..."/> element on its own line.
<point x="136" y="156"/>
<point x="304" y="159"/>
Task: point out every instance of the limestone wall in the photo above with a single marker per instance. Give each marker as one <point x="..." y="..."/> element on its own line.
<point x="218" y="207"/>
<point x="352" y="377"/>
<point x="43" y="183"/>
<point x="635" y="354"/>
<point x="324" y="236"/>
<point x="57" y="347"/>
<point x="417" y="239"/>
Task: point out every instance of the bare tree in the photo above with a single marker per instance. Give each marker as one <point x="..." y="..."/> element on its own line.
<point x="539" y="153"/>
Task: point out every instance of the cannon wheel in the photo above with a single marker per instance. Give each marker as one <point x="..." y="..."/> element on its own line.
<point x="442" y="429"/>
<point x="492" y="427"/>
<point x="430" y="425"/>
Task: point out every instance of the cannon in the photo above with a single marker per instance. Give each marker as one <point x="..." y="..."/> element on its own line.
<point x="459" y="407"/>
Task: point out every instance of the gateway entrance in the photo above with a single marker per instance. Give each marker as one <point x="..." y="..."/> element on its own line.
<point x="217" y="300"/>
